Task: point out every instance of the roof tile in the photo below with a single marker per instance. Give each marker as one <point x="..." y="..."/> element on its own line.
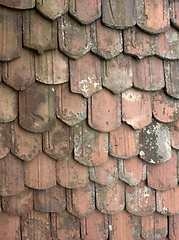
<point x="85" y="75"/>
<point x="39" y="33"/>
<point x="174" y="13"/>
<point x="5" y="139"/>
<point x="21" y="4"/>
<point x="106" y="43"/>
<point x="117" y="73"/>
<point x="175" y="134"/>
<point x="104" y="111"/>
<point x="174" y="227"/>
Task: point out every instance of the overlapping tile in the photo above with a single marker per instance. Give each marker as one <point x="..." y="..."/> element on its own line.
<point x="19" y="4"/>
<point x="5" y="142"/>
<point x="174" y="13"/>
<point x="173" y="227"/>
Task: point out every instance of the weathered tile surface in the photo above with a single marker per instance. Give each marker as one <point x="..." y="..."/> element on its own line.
<point x="19" y="4"/>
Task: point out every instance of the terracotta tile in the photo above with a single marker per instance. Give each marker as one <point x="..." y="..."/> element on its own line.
<point x="90" y="146"/>
<point x="132" y="171"/>
<point x="40" y="173"/>
<point x="8" y="103"/>
<point x="21" y="4"/>
<point x="95" y="226"/>
<point x="110" y="199"/>
<point x="70" y="108"/>
<point x="85" y="75"/>
<point x="50" y="200"/>
<point x="124" y="226"/>
<point x="174" y="129"/>
<point x="138" y="43"/>
<point x="9" y="227"/>
<point x="81" y="202"/>
<point x="140" y="199"/>
<point x="154" y="226"/>
<point x="106" y="42"/>
<point x="167" y="44"/>
<point x="173" y="227"/>
<point x="119" y="14"/>
<point x="39" y="33"/>
<point x="104" y="111"/>
<point x="5" y="140"/>
<point x="155" y="143"/>
<point x="24" y="144"/>
<point x="85" y="11"/>
<point x="36" y="225"/>
<point x="11" y="34"/>
<point x="117" y="73"/>
<point x="52" y="9"/>
<point x="51" y="67"/>
<point x="19" y="73"/>
<point x="163" y="176"/>
<point x="174" y="13"/>
<point x="74" y="39"/>
<point x="148" y="74"/>
<point x="167" y="201"/>
<point x="124" y="142"/>
<point x="37" y="107"/>
<point x="136" y="108"/>
<point x="19" y="204"/>
<point x="58" y="142"/>
<point x="165" y="108"/>
<point x="71" y="174"/>
<point x="105" y="173"/>
<point x="153" y="17"/>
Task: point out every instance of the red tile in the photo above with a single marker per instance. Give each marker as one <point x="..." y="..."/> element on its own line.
<point x="117" y="73"/>
<point x="140" y="199"/>
<point x="174" y="227"/>
<point x="167" y="201"/>
<point x="52" y="9"/>
<point x="24" y="144"/>
<point x="163" y="176"/>
<point x="81" y="202"/>
<point x="70" y="108"/>
<point x="138" y="43"/>
<point x="154" y="226"/>
<point x="106" y="42"/>
<point x="8" y="103"/>
<point x="39" y="33"/>
<point x="105" y="173"/>
<point x="51" y="67"/>
<point x="85" y="75"/>
<point x="21" y="4"/>
<point x="58" y="142"/>
<point x="74" y="39"/>
<point x="155" y="146"/>
<point x="132" y="171"/>
<point x="85" y="11"/>
<point x="19" y="204"/>
<point x="104" y="111"/>
<point x="110" y="199"/>
<point x="124" y="142"/>
<point x="153" y="17"/>
<point x="19" y="73"/>
<point x="71" y="174"/>
<point x="90" y="146"/>
<point x="40" y="173"/>
<point x="11" y="175"/>
<point x="136" y="108"/>
<point x="148" y="74"/>
<point x="165" y="108"/>
<point x="119" y="14"/>
<point x="175" y="134"/>
<point x="50" y="200"/>
<point x="5" y="140"/>
<point x="37" y="107"/>
<point x="11" y="34"/>
<point x="174" y="13"/>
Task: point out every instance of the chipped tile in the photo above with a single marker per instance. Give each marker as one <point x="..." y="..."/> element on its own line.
<point x="5" y="139"/>
<point x="174" y="13"/>
<point x="20" y="4"/>
<point x="173" y="227"/>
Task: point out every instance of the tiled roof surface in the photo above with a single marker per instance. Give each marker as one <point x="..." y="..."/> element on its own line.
<point x="89" y="119"/>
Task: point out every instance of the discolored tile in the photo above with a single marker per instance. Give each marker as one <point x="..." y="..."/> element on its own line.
<point x="173" y="227"/>
<point x="174" y="13"/>
<point x="175" y="134"/>
<point x="5" y="139"/>
<point x="20" y="4"/>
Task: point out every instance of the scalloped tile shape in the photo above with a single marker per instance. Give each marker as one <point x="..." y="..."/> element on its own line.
<point x="37" y="107"/>
<point x="51" y="67"/>
<point x="153" y="16"/>
<point x="85" y="75"/>
<point x="74" y="39"/>
<point x="19" y="4"/>
<point x="71" y="108"/>
<point x="174" y="13"/>
<point x="104" y="111"/>
<point x="173" y="227"/>
<point x="85" y="11"/>
<point x="52" y="9"/>
<point x="39" y="33"/>
<point x="119" y="14"/>
<point x="5" y="139"/>
<point x="106" y="43"/>
<point x="90" y="146"/>
<point x="155" y="146"/>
